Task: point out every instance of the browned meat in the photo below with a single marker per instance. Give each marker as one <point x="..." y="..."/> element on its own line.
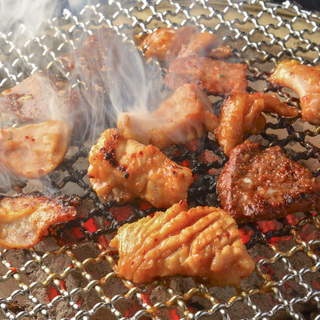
<point x="215" y="76"/>
<point x="241" y="116"/>
<point x="184" y="116"/>
<point x="220" y="52"/>
<point x="37" y="98"/>
<point x="305" y="81"/>
<point x="166" y="44"/>
<point x="260" y="184"/>
<point x="122" y="169"/>
<point x="25" y="219"/>
<point x="200" y="242"/>
<point x="199" y="45"/>
<point x="34" y="150"/>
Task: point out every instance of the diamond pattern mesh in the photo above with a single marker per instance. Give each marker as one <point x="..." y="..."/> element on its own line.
<point x="69" y="274"/>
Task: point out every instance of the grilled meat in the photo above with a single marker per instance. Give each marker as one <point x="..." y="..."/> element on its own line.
<point x="34" y="150"/>
<point x="199" y="45"/>
<point x="220" y="52"/>
<point x="166" y="44"/>
<point x="184" y="116"/>
<point x="305" y="81"/>
<point x="199" y="242"/>
<point x="241" y="116"/>
<point x="25" y="219"/>
<point x="38" y="99"/>
<point x="214" y="76"/>
<point x="260" y="184"/>
<point x="122" y="169"/>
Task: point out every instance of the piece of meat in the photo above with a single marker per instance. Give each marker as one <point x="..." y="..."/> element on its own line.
<point x="214" y="76"/>
<point x="184" y="116"/>
<point x="122" y="169"/>
<point x="200" y="44"/>
<point x="34" y="150"/>
<point x="37" y="98"/>
<point x="305" y="81"/>
<point x="221" y="52"/>
<point x="241" y="115"/>
<point x="25" y="219"/>
<point x="200" y="242"/>
<point x="260" y="184"/>
<point x="166" y="44"/>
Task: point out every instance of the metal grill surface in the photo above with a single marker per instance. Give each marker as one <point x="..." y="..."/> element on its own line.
<point x="69" y="274"/>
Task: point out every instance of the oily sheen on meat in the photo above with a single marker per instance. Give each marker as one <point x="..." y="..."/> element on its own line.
<point x="257" y="184"/>
<point x="200" y="242"/>
<point x="25" y="219"/>
<point x="34" y="150"/>
<point x="166" y="44"/>
<point x="305" y="81"/>
<point x="123" y="169"/>
<point x="241" y="115"/>
<point x="184" y="116"/>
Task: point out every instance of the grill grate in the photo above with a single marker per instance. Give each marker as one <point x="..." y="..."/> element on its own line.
<point x="69" y="274"/>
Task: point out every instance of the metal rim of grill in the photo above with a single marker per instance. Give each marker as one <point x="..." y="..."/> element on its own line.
<point x="69" y="275"/>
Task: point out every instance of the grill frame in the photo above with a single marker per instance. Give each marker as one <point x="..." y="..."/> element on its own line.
<point x="175" y="295"/>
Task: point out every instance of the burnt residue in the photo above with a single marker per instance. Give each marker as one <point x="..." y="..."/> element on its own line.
<point x="124" y="171"/>
<point x="109" y="156"/>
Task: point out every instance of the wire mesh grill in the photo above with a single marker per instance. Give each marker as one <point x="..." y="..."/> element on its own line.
<point x="69" y="274"/>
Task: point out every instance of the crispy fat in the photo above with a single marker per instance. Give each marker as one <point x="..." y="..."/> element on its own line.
<point x="122" y="169"/>
<point x="305" y="81"/>
<point x="25" y="219"/>
<point x="200" y="242"/>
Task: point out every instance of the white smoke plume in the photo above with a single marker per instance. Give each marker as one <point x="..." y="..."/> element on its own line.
<point x="106" y="75"/>
<point x="26" y="15"/>
<point x="134" y="85"/>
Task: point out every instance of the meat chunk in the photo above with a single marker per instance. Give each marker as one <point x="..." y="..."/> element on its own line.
<point x="305" y="81"/>
<point x="122" y="169"/>
<point x="200" y="242"/>
<point x="221" y="52"/>
<point x="241" y="115"/>
<point x="166" y="44"/>
<point x="184" y="116"/>
<point x="260" y="184"/>
<point x="25" y="219"/>
<point x="34" y="150"/>
<point x="214" y="76"/>
<point x="199" y="45"/>
<point x="37" y="98"/>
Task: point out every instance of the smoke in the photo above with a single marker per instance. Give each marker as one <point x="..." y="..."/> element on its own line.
<point x="25" y="16"/>
<point x="87" y="87"/>
<point x="134" y="85"/>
